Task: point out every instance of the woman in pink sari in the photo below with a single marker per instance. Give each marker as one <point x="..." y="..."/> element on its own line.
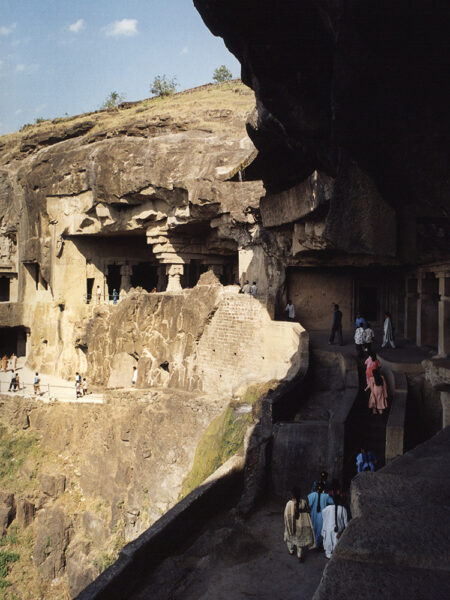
<point x="378" y="392"/>
<point x="371" y="363"/>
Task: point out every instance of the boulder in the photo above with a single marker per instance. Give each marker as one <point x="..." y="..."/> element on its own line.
<point x="25" y="512"/>
<point x="54" y="531"/>
<point x="7" y="511"/>
<point x="53" y="485"/>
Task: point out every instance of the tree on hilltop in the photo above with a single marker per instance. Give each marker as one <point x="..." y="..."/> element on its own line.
<point x="222" y="74"/>
<point x="113" y="100"/>
<point x="162" y="86"/>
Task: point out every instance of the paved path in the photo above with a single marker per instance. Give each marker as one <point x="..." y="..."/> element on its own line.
<point x="60" y="389"/>
<point x="237" y="561"/>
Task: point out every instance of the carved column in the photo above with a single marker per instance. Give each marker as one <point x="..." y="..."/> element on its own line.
<point x="125" y="278"/>
<point x="419" y="311"/>
<point x="174" y="272"/>
<point x="443" y="315"/>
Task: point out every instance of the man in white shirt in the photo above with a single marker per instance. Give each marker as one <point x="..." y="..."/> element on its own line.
<point x="290" y="309"/>
<point x="359" y="340"/>
<point x="246" y="288"/>
<point x="368" y="337"/>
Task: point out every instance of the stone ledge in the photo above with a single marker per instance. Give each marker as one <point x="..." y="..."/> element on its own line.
<point x="343" y="579"/>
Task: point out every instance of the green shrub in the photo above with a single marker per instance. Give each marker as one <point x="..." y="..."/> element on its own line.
<point x="162" y="86"/>
<point x="222" y="74"/>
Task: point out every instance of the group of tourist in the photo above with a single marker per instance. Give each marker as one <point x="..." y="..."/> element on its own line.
<point x="9" y="363"/>
<point x="315" y="521"/>
<point x="249" y="289"/>
<point x="81" y="386"/>
<point x="365" y="336"/>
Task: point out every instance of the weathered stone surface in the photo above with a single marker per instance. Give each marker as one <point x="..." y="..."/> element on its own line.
<point x="25" y="512"/>
<point x="219" y="341"/>
<point x="7" y="510"/>
<point x="54" y="530"/>
<point x="349" y="579"/>
<point x="81" y="569"/>
<point x="53" y="484"/>
<point x="94" y="528"/>
<point x="314" y="79"/>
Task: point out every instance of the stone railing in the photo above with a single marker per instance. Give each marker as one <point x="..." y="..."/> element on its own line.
<point x="138" y="558"/>
<point x="395" y="428"/>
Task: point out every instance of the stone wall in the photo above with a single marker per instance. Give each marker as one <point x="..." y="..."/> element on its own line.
<point x="242" y="345"/>
<point x="208" y="339"/>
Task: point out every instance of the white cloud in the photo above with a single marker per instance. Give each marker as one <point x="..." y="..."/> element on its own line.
<point x="125" y="27"/>
<point x="4" y="30"/>
<point x="77" y="26"/>
<point x="185" y="50"/>
<point x="18" y="111"/>
<point x="21" y="68"/>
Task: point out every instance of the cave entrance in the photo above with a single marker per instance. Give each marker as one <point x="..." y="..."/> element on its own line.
<point x="113" y="279"/>
<point x="368" y="302"/>
<point x="4" y="289"/>
<point x="89" y="288"/>
<point x="13" y="339"/>
<point x="194" y="269"/>
<point x="144" y="275"/>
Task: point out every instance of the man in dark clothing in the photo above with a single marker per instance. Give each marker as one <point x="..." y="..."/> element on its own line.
<point x="337" y="326"/>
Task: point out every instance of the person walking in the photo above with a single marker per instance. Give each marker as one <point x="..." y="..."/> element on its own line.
<point x="78" y="385"/>
<point x="245" y="289"/>
<point x="365" y="460"/>
<point x="317" y="501"/>
<point x="360" y="321"/>
<point x="37" y="384"/>
<point x="13" y="383"/>
<point x="115" y="296"/>
<point x="290" y="309"/>
<point x="368" y="338"/>
<point x="99" y="294"/>
<point x="298" y="528"/>
<point x="85" y="387"/>
<point x="134" y="378"/>
<point x="388" y="331"/>
<point x="378" y="392"/>
<point x="334" y="522"/>
<point x="13" y="361"/>
<point x="371" y="363"/>
<point x="336" y="327"/>
<point x="359" y="341"/>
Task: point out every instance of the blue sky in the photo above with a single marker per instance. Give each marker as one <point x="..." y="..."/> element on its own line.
<point x="61" y="56"/>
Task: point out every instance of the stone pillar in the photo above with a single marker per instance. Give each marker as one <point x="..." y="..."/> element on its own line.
<point x="174" y="272"/>
<point x="410" y="308"/>
<point x="419" y="311"/>
<point x="443" y="315"/>
<point x="125" y="278"/>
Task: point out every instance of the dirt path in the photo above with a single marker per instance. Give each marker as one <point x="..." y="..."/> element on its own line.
<point x="237" y="561"/>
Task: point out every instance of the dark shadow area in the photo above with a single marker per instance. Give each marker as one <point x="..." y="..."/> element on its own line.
<point x="4" y="289"/>
<point x="13" y="339"/>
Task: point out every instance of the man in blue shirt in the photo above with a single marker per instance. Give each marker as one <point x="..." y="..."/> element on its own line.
<point x="337" y="326"/>
<point x="360" y="321"/>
